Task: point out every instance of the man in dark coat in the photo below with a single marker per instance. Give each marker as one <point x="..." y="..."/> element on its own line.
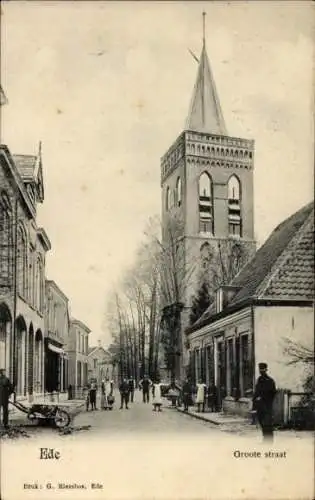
<point x="212" y="398"/>
<point x="124" y="394"/>
<point x="131" y="384"/>
<point x="6" y="389"/>
<point x="187" y="394"/>
<point x="145" y="385"/>
<point x="263" y="398"/>
<point x="92" y="394"/>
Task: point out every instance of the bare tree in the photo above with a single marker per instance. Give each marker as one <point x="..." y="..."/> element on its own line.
<point x="298" y="353"/>
<point x="218" y="266"/>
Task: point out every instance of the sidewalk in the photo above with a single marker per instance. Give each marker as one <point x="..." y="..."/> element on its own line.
<point x="241" y="426"/>
<point x="216" y="418"/>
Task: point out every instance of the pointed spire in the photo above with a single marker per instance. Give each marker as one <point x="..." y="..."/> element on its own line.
<point x="205" y="114"/>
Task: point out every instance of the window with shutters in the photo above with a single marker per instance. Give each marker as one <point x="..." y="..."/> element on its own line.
<point x="205" y="204"/>
<point x="234" y="206"/>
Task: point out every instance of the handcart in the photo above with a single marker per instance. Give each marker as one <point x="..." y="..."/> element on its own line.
<point x="51" y="414"/>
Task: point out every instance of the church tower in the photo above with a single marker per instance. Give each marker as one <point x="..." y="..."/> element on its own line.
<point x="207" y="183"/>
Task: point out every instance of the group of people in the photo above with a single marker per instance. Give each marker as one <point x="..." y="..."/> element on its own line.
<point x="203" y="393"/>
<point x="127" y="389"/>
<point x="107" y="397"/>
<point x="263" y="398"/>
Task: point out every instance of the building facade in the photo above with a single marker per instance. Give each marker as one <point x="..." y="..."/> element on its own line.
<point x="78" y="351"/>
<point x="56" y="338"/>
<point x="23" y="249"/>
<point x="207" y="194"/>
<point x="100" y="364"/>
<point x="270" y="300"/>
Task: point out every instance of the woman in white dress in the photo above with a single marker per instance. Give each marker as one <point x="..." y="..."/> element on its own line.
<point x="201" y="396"/>
<point x="109" y="388"/>
<point x="157" y="396"/>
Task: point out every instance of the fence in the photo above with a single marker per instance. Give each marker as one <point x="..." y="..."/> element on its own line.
<point x="294" y="409"/>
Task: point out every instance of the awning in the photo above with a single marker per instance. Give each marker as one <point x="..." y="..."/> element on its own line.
<point x="53" y="348"/>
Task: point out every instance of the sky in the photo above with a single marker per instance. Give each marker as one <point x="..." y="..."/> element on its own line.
<point x="106" y="87"/>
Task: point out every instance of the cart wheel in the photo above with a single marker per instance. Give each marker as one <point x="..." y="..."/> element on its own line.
<point x="62" y="419"/>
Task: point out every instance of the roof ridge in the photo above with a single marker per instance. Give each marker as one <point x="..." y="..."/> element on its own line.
<point x="284" y="256"/>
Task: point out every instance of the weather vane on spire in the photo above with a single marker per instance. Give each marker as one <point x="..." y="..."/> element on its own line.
<point x="204" y="27"/>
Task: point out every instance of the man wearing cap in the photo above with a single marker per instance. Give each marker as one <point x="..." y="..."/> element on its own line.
<point x="6" y="390"/>
<point x="263" y="398"/>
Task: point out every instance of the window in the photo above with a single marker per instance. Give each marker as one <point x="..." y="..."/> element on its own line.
<point x="231" y="367"/>
<point x="31" y="275"/>
<point x="246" y="382"/>
<point x="179" y="191"/>
<point x="79" y="373"/>
<point x="234" y="207"/>
<point x="22" y="262"/>
<point x="205" y="204"/>
<point x="40" y="284"/>
<point x="37" y="284"/>
<point x="198" y="365"/>
<point x="94" y="363"/>
<point x="6" y="241"/>
<point x="234" y="229"/>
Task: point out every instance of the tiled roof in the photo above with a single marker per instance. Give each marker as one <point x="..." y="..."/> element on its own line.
<point x="281" y="269"/>
<point x="26" y="165"/>
<point x="293" y="276"/>
<point x="259" y="267"/>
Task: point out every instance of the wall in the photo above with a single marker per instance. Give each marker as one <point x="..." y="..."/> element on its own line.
<point x="56" y="317"/>
<point x="31" y="252"/>
<point x="235" y="324"/>
<point x="271" y="325"/>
